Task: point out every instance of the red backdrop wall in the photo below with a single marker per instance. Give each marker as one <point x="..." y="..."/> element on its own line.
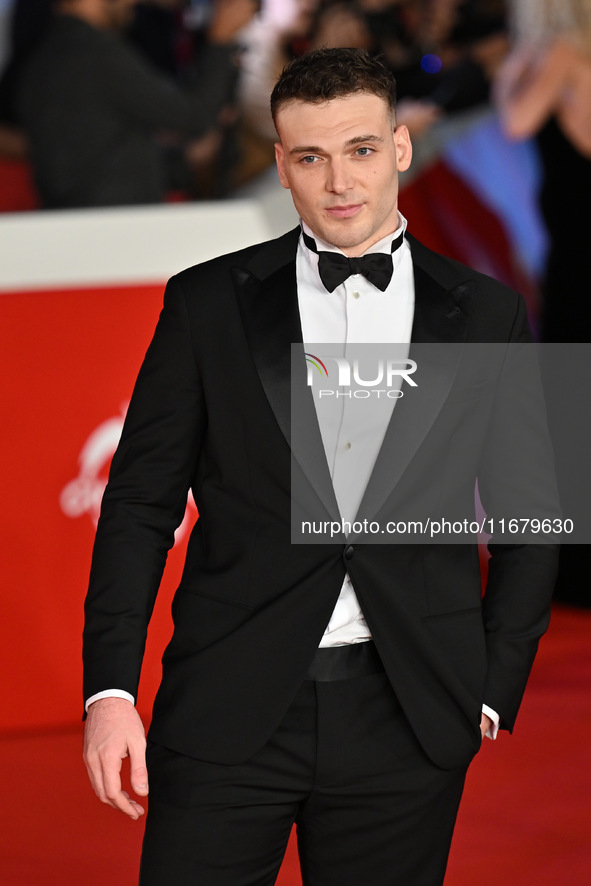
<point x="68" y="360"/>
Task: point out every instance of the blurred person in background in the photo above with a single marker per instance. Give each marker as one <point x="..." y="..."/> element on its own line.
<point x="171" y="35"/>
<point x="283" y="30"/>
<point x="443" y="54"/>
<point x="341" y="24"/>
<point x="544" y="91"/>
<point x="157" y="29"/>
<point x="24" y="22"/>
<point x="99" y="117"/>
<point x="269" y="42"/>
<point x="5" y="10"/>
<point x="344" y="24"/>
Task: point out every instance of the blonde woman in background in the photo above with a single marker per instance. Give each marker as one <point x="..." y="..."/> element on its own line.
<point x="544" y="90"/>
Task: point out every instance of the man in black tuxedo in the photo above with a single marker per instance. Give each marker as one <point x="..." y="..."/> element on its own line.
<point x="344" y="686"/>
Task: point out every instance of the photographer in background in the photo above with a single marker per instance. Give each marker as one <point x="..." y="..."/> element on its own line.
<point x="101" y="120"/>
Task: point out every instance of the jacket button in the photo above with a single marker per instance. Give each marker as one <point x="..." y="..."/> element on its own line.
<point x="349" y="551"/>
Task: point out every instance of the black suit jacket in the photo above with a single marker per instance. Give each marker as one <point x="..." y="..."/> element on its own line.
<point x="211" y="411"/>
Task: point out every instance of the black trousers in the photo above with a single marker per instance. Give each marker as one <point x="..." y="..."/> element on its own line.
<point x="370" y="807"/>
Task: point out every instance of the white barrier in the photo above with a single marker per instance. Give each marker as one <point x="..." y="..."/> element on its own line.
<point x="147" y="244"/>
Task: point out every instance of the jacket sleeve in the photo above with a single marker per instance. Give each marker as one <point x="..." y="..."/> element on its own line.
<point x="143" y="503"/>
<point x="517" y="481"/>
<point x="154" y="100"/>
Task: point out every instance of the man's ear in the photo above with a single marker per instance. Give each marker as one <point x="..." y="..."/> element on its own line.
<point x="280" y="161"/>
<point x="403" y="146"/>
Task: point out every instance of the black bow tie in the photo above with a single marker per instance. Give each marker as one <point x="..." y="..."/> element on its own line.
<point x="335" y="268"/>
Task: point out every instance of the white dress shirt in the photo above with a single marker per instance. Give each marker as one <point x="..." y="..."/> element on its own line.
<point x="355" y="312"/>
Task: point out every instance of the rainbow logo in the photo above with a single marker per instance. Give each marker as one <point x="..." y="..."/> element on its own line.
<point x="317" y="363"/>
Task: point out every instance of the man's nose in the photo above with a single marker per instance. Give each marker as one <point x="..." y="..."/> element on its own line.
<point x="339" y="178"/>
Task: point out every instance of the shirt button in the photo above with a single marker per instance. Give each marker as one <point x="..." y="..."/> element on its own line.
<point x="349" y="551"/>
<point x="355" y="295"/>
<point x="347" y="446"/>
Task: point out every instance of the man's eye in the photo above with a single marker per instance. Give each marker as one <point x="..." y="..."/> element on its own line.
<point x="364" y="152"/>
<point x="308" y="159"/>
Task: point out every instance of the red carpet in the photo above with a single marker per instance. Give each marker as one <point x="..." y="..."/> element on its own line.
<point x="525" y="818"/>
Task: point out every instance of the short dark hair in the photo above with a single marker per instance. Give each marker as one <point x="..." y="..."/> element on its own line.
<point x="325" y="74"/>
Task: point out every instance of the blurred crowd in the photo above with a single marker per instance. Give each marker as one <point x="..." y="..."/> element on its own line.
<point x="119" y="102"/>
<point x="126" y="102"/>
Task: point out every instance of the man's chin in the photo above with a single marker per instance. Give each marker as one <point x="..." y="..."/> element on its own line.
<point x="344" y="233"/>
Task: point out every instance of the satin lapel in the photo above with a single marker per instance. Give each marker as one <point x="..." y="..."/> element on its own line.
<point x="440" y="319"/>
<point x="267" y="293"/>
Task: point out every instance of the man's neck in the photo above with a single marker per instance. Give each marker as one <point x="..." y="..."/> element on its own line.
<point x="383" y="244"/>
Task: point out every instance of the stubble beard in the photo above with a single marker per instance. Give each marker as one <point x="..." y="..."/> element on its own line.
<point x="343" y="239"/>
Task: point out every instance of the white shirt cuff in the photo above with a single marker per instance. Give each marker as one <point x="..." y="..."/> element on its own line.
<point x="109" y="693"/>
<point x="492" y="731"/>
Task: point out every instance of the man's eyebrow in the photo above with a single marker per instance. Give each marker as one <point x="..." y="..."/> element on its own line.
<point x="361" y="139"/>
<point x="315" y="149"/>
<point x="305" y="149"/>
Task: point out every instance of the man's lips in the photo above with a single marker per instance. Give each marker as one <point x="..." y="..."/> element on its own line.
<point x="344" y="211"/>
